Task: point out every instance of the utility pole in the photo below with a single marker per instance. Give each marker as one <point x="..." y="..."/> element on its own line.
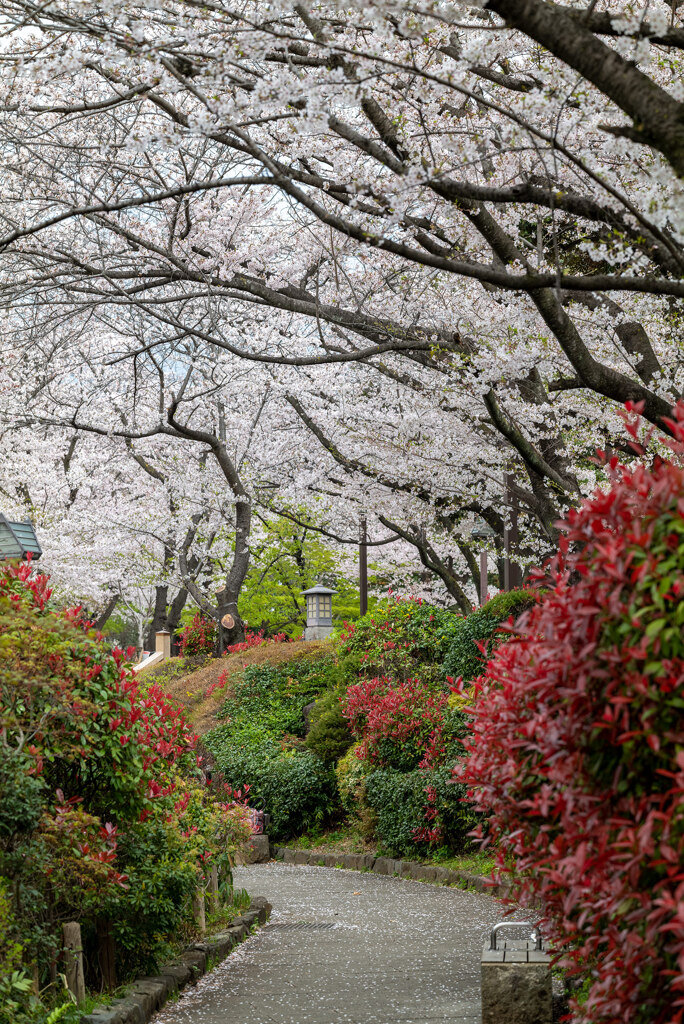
<point x="512" y="572"/>
<point x="363" y="565"/>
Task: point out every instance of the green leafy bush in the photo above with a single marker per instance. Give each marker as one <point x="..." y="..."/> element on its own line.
<point x="398" y="800"/>
<point x="94" y="768"/>
<point x="329" y="736"/>
<point x="463" y="656"/>
<point x="162" y="880"/>
<point x="399" y="634"/>
<point x="274" y="696"/>
<point x="290" y="783"/>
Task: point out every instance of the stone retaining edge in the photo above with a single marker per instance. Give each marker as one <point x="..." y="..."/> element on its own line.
<point x="389" y="866"/>
<point x="147" y="995"/>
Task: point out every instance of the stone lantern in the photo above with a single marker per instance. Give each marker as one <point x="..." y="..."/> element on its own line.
<point x="318" y="612"/>
<point x="18" y="540"/>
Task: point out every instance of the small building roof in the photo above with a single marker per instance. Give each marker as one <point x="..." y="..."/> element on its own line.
<point x="17" y="540"/>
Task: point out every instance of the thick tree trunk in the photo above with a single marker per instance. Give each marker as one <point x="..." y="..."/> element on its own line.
<point x="159" y="616"/>
<point x="174" y="615"/>
<point x="232" y="630"/>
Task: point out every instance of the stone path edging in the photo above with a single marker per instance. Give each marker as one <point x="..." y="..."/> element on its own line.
<point x="147" y="995"/>
<point x="389" y="866"/>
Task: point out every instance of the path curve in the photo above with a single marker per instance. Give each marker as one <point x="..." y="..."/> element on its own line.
<point x="345" y="947"/>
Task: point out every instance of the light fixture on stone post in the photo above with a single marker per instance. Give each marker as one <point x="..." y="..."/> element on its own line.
<point x="482" y="531"/>
<point x="318" y="612"/>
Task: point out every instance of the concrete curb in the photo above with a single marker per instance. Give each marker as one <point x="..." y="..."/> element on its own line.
<point x="388" y="866"/>
<point x="147" y="995"/>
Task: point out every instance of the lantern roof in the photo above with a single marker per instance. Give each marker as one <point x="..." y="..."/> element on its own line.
<point x="482" y="529"/>
<point x="319" y="589"/>
<point x="17" y="540"/>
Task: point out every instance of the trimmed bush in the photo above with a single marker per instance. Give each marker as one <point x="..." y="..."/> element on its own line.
<point x="399" y="634"/>
<point x="464" y="658"/>
<point x="329" y="736"/>
<point x="577" y="750"/>
<point x="274" y="696"/>
<point x="351" y="772"/>
<point x="292" y="784"/>
<point x="400" y="800"/>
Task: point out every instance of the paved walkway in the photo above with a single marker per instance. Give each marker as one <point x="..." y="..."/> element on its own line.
<point x="345" y="947"/>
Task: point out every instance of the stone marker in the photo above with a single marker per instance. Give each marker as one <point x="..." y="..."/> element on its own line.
<point x="258" y="851"/>
<point x="516" y="980"/>
<point x="73" y="956"/>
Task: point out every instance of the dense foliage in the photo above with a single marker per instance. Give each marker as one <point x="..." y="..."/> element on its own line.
<point x="409" y="733"/>
<point x="397" y="635"/>
<point x="380" y="713"/>
<point x="102" y="816"/>
<point x="577" y="746"/>
<point x="260" y="743"/>
<point x="465" y="656"/>
<point x="329" y="735"/>
<point x="197" y="636"/>
<point x="287" y="781"/>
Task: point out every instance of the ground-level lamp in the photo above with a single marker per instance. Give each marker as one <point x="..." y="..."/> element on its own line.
<point x="318" y="612"/>
<point x="482" y="531"/>
<point x="18" y="540"/>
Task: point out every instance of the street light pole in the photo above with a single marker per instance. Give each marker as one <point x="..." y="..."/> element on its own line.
<point x="512" y="573"/>
<point x="483" y="576"/>
<point x="363" y="565"/>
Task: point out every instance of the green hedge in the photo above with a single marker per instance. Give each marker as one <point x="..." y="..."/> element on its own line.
<point x="274" y="696"/>
<point x="291" y="784"/>
<point x="329" y="736"/>
<point x="398" y="801"/>
<point x="463" y="657"/>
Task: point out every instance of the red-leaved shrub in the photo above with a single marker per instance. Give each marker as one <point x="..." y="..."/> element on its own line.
<point x="198" y="637"/>
<point x="256" y="640"/>
<point x="577" y="743"/>
<point x="400" y="725"/>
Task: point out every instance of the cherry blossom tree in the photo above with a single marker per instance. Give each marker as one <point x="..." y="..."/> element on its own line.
<point x="441" y="214"/>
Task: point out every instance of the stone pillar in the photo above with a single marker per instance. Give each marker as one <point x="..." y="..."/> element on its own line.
<point x="73" y="957"/>
<point x="162" y="643"/>
<point x="516" y="984"/>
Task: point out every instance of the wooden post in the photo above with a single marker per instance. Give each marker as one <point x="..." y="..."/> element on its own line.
<point x="212" y="891"/>
<point x="73" y="956"/>
<point x="484" y="582"/>
<point x="363" y="566"/>
<point x="162" y="642"/>
<point x="106" y="952"/>
<point x="512" y="573"/>
<point x="199" y="911"/>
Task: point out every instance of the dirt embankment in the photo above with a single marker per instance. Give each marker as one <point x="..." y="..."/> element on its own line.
<point x="189" y="684"/>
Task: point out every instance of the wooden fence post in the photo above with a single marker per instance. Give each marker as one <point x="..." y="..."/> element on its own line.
<point x="212" y="891"/>
<point x="106" y="952"/>
<point x="198" y="911"/>
<point x="73" y="956"/>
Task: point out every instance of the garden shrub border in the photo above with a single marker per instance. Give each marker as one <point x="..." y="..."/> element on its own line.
<point x="409" y="869"/>
<point x="147" y="995"/>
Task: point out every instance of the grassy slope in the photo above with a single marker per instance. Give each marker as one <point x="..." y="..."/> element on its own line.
<point x="188" y="680"/>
